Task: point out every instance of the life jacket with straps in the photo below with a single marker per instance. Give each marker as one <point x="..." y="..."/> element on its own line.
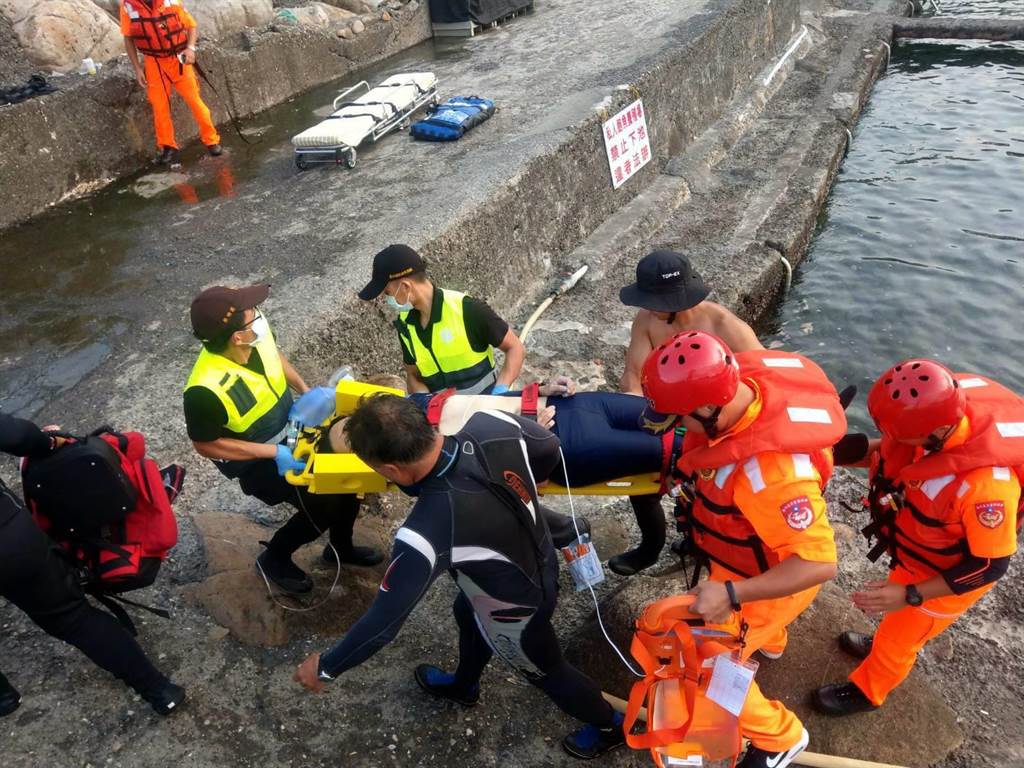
<point x="257" y="404"/>
<point x="800" y="414"/>
<point x="156" y="28"/>
<point x="673" y="646"/>
<point x="106" y="504"/>
<point x="912" y="493"/>
<point x="449" y="360"/>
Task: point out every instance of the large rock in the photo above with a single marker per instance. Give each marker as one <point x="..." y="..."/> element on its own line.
<point x="316" y="15"/>
<point x="236" y="597"/>
<point x="110" y="6"/>
<point x="219" y="18"/>
<point x="58" y="34"/>
<point x="915" y="728"/>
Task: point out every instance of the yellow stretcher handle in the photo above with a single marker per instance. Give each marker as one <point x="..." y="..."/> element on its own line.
<point x="345" y="473"/>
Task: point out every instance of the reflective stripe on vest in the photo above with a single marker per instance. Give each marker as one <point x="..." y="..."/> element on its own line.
<point x="156" y="30"/>
<point x="257" y="404"/>
<point x="449" y="361"/>
<point x="722" y="532"/>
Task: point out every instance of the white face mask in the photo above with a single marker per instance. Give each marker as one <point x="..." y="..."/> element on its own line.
<point x="259" y="327"/>
<point x="392" y="302"/>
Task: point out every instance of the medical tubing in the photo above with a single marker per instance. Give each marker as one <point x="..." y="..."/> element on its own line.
<point x="337" y="573"/>
<point x="593" y="595"/>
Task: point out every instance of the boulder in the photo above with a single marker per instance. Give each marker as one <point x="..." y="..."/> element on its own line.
<point x="58" y="34"/>
<point x="220" y="18"/>
<point x="236" y="597"/>
<point x="316" y="15"/>
<point x="113" y="7"/>
<point x="915" y="728"/>
<point x="355" y="6"/>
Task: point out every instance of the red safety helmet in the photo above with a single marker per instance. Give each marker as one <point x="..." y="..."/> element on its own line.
<point x="691" y="370"/>
<point x="913" y="399"/>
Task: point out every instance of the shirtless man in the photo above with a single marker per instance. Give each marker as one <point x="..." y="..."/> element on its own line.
<point x="672" y="298"/>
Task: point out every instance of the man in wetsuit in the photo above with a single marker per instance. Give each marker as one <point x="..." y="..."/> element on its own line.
<point x="477" y="518"/>
<point x="44" y="585"/>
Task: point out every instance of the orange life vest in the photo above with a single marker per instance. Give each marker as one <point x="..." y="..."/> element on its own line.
<point x="912" y="493"/>
<point x="671" y="644"/>
<point x="156" y="28"/>
<point x="800" y="414"/>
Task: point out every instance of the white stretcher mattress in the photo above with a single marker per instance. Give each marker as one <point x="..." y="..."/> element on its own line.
<point x="336" y="130"/>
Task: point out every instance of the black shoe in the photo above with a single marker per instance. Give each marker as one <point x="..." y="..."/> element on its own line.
<point x="842" y="699"/>
<point x="633" y="561"/>
<point x="759" y="758"/>
<point x="167" y="699"/>
<point x="10" y="699"/>
<point x="215" y="150"/>
<point x="169" y="157"/>
<point x="283" y="573"/>
<point x="590" y="741"/>
<point x="857" y="644"/>
<point x="363" y="557"/>
<point x="437" y="682"/>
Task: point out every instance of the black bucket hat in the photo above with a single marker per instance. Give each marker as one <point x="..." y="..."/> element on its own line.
<point x="665" y="282"/>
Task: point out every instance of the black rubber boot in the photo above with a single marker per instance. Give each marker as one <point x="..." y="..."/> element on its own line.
<point x="10" y="699"/>
<point x="590" y="741"/>
<point x="632" y="561"/>
<point x="280" y="571"/>
<point x="437" y="682"/>
<point x="842" y="699"/>
<point x="215" y="150"/>
<point x="363" y="557"/>
<point x="165" y="700"/>
<point x="857" y="644"/>
<point x="168" y="156"/>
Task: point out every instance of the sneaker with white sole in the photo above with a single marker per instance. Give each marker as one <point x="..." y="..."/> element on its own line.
<point x="773" y="655"/>
<point x="760" y="758"/>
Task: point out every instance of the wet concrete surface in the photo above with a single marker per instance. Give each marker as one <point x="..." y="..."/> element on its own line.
<point x="301" y="232"/>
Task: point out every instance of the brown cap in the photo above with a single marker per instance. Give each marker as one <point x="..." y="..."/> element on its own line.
<point x="219" y="311"/>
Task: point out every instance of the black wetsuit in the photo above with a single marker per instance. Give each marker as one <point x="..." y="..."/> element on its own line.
<point x="478" y="518"/>
<point x="38" y="580"/>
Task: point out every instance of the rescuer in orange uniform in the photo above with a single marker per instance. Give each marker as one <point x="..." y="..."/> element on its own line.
<point x="945" y="485"/>
<point x="165" y="33"/>
<point x="756" y="456"/>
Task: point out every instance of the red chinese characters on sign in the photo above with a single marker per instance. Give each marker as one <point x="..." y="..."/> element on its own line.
<point x="627" y="143"/>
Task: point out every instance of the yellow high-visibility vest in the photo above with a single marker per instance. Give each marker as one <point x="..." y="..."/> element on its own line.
<point x="449" y="360"/>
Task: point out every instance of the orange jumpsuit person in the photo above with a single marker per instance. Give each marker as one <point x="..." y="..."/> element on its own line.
<point x="760" y="426"/>
<point x="944" y="498"/>
<point x="165" y="33"/>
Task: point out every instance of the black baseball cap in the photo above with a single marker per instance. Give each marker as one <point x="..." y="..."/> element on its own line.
<point x="393" y="262"/>
<point x="665" y="282"/>
<point x="220" y="311"/>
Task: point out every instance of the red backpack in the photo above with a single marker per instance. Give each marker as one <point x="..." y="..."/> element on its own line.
<point x="107" y="505"/>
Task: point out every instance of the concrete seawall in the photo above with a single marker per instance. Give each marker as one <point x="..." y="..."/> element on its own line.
<point x="96" y="129"/>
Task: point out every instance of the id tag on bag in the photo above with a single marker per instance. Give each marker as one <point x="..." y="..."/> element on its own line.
<point x="730" y="681"/>
<point x="584" y="565"/>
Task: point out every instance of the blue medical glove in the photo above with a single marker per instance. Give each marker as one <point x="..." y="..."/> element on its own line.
<point x="313" y="407"/>
<point x="499" y="389"/>
<point x="286" y="461"/>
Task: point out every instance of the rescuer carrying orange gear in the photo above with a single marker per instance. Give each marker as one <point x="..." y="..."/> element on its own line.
<point x="945" y="487"/>
<point x="165" y="33"/>
<point x="760" y="427"/>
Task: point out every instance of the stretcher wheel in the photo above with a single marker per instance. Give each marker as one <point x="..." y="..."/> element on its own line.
<point x="350" y="158"/>
<point x="300" y="162"/>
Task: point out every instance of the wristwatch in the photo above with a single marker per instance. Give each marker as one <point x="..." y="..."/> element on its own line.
<point x="733" y="601"/>
<point x="914" y="597"/>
